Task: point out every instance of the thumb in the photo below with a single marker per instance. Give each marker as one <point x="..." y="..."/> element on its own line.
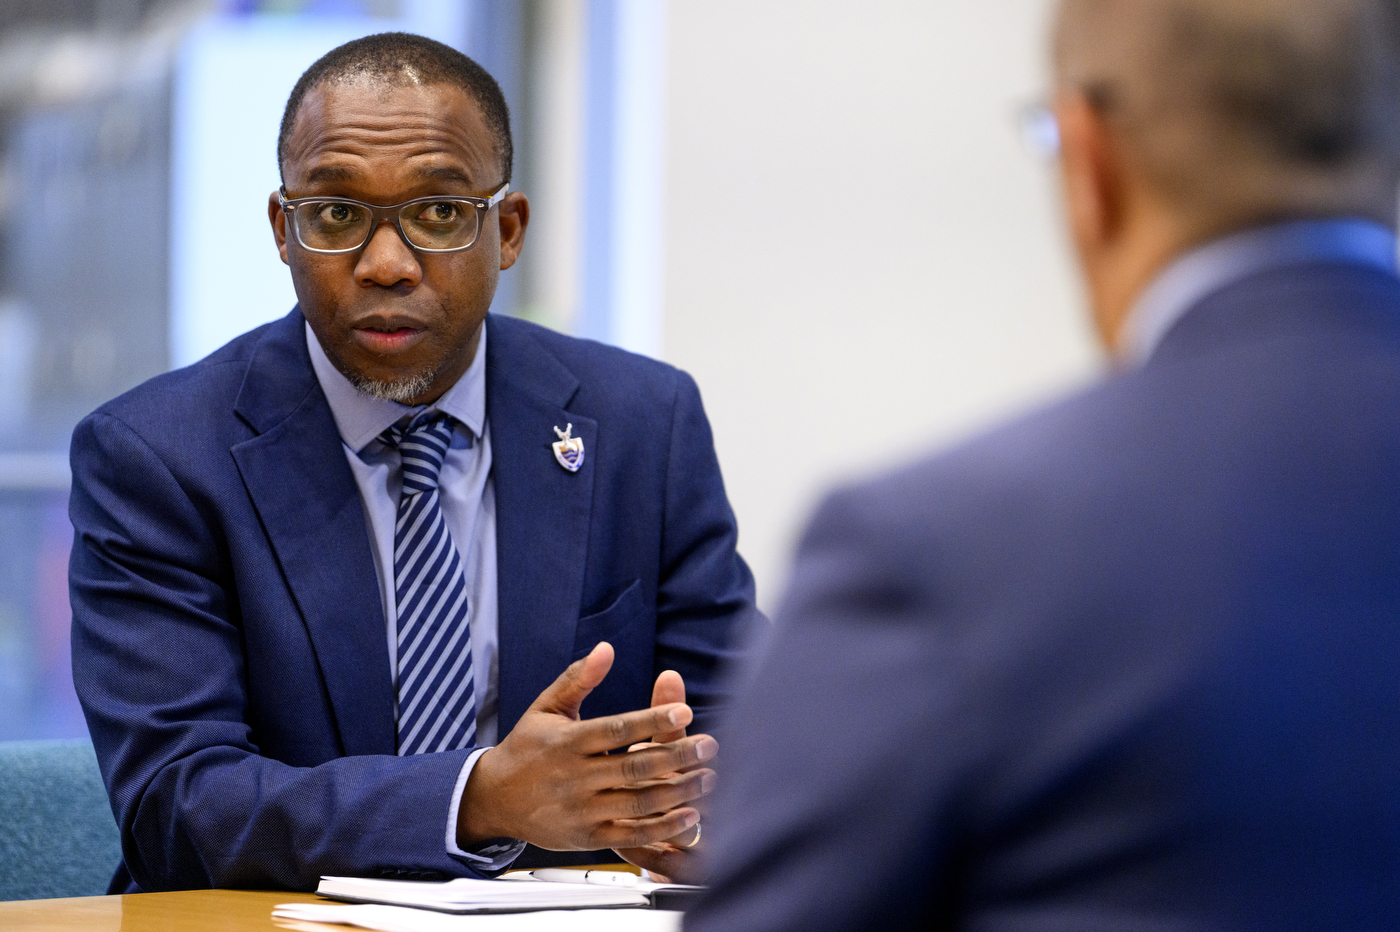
<point x="566" y="694"/>
<point x="670" y="687"/>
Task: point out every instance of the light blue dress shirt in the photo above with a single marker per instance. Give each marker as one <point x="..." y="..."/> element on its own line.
<point x="1220" y="263"/>
<point x="469" y="508"/>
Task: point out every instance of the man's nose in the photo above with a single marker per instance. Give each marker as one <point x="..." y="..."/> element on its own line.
<point x="387" y="260"/>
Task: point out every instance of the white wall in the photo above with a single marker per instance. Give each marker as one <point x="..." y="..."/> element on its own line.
<point x="861" y="259"/>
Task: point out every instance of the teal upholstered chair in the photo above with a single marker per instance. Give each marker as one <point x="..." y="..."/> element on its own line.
<point x="57" y="834"/>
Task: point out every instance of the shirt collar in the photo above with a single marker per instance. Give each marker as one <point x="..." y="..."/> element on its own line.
<point x="361" y="418"/>
<point x="1222" y="262"/>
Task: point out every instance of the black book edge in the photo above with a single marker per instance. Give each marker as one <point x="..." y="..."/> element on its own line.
<point x="679" y="899"/>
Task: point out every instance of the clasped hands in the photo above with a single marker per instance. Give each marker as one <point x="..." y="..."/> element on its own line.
<point x="552" y="782"/>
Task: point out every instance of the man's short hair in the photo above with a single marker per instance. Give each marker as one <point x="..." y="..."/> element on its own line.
<point x="402" y="58"/>
<point x="1232" y="103"/>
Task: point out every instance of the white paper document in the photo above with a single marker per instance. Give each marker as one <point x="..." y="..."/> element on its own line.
<point x="404" y="919"/>
<point x="470" y="895"/>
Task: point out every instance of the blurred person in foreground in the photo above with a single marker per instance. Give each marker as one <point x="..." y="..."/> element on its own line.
<point x="1131" y="661"/>
<point x="373" y="588"/>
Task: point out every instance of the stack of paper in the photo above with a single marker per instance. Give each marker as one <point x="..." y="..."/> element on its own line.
<point x="466" y="895"/>
<point x="401" y="919"/>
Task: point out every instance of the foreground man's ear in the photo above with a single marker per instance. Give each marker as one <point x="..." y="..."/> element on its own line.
<point x="514" y="217"/>
<point x="1098" y="206"/>
<point x="278" y="219"/>
<point x="1091" y="168"/>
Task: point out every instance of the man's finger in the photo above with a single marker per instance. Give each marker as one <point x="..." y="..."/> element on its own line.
<point x="635" y="833"/>
<point x="677" y="864"/>
<point x="644" y="745"/>
<point x="656" y="797"/>
<point x="669" y="688"/>
<point x="566" y="694"/>
<point x="600" y="735"/>
<point x="689" y="838"/>
<point x="656" y="762"/>
<point x="659" y="762"/>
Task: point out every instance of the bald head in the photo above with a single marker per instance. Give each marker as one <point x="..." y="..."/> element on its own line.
<point x="1241" y="111"/>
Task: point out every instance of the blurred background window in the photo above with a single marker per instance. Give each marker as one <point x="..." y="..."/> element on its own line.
<point x="137" y="152"/>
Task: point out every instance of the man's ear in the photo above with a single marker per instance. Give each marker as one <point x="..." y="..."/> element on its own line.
<point x="278" y="219"/>
<point x="1093" y="179"/>
<point x="513" y="217"/>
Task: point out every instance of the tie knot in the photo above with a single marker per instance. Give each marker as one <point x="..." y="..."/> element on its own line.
<point x="423" y="444"/>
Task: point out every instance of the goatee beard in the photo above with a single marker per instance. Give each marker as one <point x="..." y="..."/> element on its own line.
<point x="401" y="390"/>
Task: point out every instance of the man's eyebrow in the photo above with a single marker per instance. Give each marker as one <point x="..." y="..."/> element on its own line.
<point x="444" y="173"/>
<point x="330" y="173"/>
<point x="343" y="173"/>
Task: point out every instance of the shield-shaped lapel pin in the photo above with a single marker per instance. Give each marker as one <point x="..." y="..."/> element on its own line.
<point x="568" y="449"/>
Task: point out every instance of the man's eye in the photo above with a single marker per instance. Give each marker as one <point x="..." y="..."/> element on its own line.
<point x="337" y="213"/>
<point x="441" y="212"/>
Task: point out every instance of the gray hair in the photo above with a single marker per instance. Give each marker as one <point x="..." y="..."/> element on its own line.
<point x="402" y="390"/>
<point x="1246" y="106"/>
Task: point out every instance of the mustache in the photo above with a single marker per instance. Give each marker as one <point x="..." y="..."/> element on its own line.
<point x="388" y="323"/>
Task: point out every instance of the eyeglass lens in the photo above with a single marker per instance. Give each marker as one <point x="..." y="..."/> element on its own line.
<point x="1040" y="131"/>
<point x="337" y="225"/>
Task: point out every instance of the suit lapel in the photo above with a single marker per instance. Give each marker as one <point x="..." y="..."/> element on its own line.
<point x="296" y="473"/>
<point x="542" y="513"/>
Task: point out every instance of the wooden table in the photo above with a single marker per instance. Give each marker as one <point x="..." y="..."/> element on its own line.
<point x="184" y="911"/>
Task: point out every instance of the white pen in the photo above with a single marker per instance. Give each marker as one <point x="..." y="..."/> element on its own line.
<point x="605" y="878"/>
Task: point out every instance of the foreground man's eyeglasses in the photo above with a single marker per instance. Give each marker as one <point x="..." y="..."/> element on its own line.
<point x="334" y="225"/>
<point x="1040" y="131"/>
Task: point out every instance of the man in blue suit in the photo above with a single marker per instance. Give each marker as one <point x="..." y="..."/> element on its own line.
<point x="372" y="589"/>
<point x="1130" y="662"/>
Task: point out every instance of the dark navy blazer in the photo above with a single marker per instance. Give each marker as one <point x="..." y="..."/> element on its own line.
<point x="228" y="634"/>
<point x="1131" y="663"/>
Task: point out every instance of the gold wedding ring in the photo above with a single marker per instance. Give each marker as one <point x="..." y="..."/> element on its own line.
<point x="694" y="841"/>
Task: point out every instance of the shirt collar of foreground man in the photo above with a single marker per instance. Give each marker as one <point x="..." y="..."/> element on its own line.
<point x="1233" y="258"/>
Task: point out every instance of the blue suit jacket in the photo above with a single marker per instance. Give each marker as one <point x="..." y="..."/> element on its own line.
<point x="228" y="634"/>
<point x="1130" y="663"/>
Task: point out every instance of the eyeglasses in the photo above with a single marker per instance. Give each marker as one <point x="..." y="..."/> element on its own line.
<point x="1040" y="127"/>
<point x="1040" y="131"/>
<point x="334" y="225"/>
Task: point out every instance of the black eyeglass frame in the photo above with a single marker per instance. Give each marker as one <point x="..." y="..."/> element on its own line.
<point x="392" y="213"/>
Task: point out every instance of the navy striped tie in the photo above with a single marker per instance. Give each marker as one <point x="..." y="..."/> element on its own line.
<point x="437" y="701"/>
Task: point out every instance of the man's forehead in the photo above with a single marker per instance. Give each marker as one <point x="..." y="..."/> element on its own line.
<point x="361" y="100"/>
<point x="437" y="129"/>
